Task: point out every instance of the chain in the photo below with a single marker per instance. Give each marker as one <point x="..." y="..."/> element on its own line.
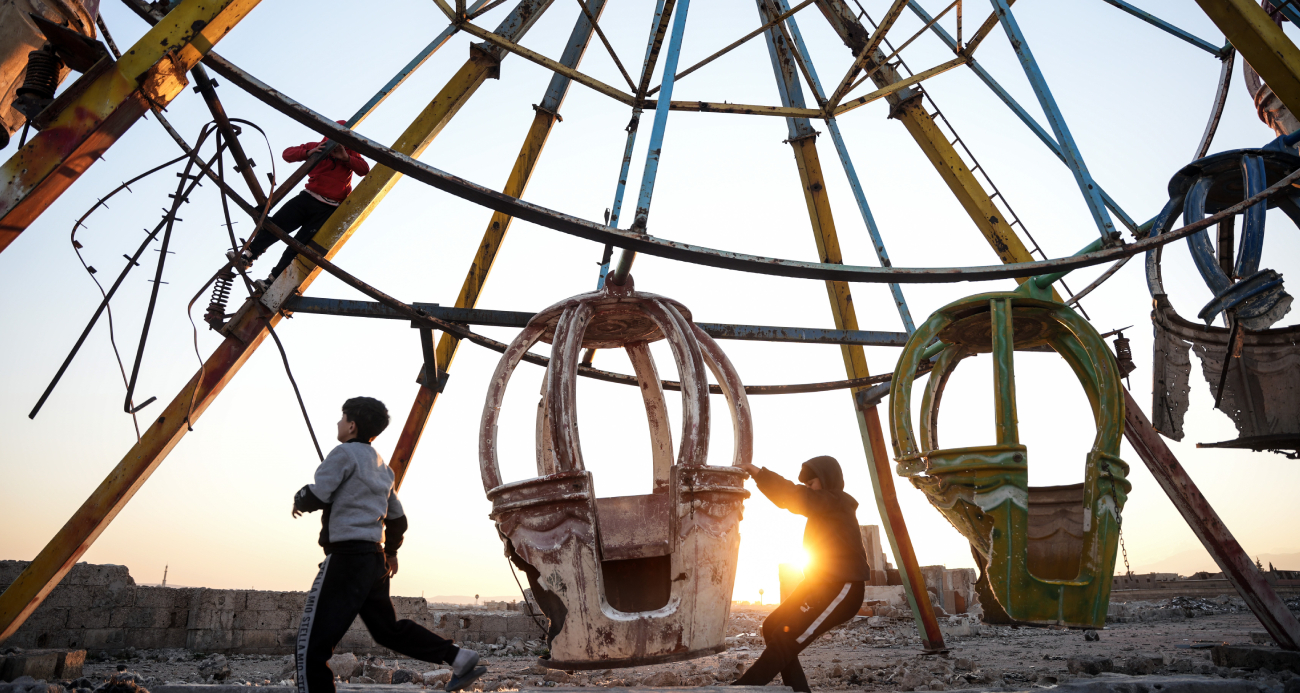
<point x="1128" y="571"/>
<point x="1119" y="524"/>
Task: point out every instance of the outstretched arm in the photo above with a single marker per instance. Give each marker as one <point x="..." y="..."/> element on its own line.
<point x="784" y="493"/>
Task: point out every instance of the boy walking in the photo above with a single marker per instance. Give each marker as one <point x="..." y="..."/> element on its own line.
<point x="832" y="588"/>
<point x="354" y="488"/>
<point x="327" y="185"/>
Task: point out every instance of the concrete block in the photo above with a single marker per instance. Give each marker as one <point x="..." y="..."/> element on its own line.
<point x="130" y="617"/>
<point x="892" y="594"/>
<point x="209" y="640"/>
<point x="211" y="620"/>
<point x="70" y="664"/>
<point x="36" y="664"/>
<point x="266" y="620"/>
<point x="89" y="618"/>
<point x="104" y="638"/>
<point x="47" y="620"/>
<point x="71" y="597"/>
<point x="10" y="570"/>
<point x="101" y="574"/>
<point x="288" y="640"/>
<point x="256" y="639"/>
<point x="221" y="600"/>
<point x="156" y="638"/>
<point x="264" y="601"/>
<point x="164" y="597"/>
<point x="293" y="602"/>
<point x="1256" y="657"/>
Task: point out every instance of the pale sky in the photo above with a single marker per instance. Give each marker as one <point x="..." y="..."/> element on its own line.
<point x="217" y="509"/>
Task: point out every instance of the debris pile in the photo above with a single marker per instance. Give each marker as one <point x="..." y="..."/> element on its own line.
<point x="1174" y="609"/>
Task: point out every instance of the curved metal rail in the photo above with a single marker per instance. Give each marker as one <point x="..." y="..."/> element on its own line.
<point x="684" y="252"/>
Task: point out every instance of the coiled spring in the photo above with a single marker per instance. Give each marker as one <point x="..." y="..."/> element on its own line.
<point x="216" y="315"/>
<point x="42" y="77"/>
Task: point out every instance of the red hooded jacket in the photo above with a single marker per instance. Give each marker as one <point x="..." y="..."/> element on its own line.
<point x="330" y="179"/>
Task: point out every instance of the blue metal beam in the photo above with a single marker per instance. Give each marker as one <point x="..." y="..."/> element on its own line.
<point x="781" y="68"/>
<point x="410" y="68"/>
<point x="661" y="115"/>
<point x="1167" y="27"/>
<point x="1073" y="158"/>
<point x="1015" y="107"/>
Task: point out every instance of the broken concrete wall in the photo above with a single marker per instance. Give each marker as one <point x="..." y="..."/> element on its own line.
<point x="99" y="607"/>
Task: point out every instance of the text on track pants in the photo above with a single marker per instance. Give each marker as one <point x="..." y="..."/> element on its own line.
<point x="812" y="609"/>
<point x="349" y="585"/>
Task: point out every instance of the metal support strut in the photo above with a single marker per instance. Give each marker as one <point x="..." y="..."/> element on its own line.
<point x="804" y="143"/>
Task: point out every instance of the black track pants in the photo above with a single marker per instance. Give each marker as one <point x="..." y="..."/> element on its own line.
<point x="349" y="585"/>
<point x="813" y="609"/>
<point x="302" y="213"/>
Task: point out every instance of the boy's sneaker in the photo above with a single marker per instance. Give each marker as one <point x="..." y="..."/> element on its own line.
<point x="243" y="259"/>
<point x="464" y="670"/>
<point x="264" y="284"/>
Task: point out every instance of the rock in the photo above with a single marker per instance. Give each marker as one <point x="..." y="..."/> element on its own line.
<point x="728" y="670"/>
<point x="936" y="685"/>
<point x="1089" y="665"/>
<point x="215" y="666"/>
<point x="362" y="679"/>
<point x="344" y="665"/>
<point x="377" y="670"/>
<point x="698" y="680"/>
<point x="910" y="681"/>
<point x="965" y="664"/>
<point x="557" y="676"/>
<point x="1091" y="635"/>
<point x="288" y="668"/>
<point x="1142" y="665"/>
<point x="837" y="672"/>
<point x="404" y="676"/>
<point x="1247" y="657"/>
<point x="662" y="679"/>
<point x="437" y="677"/>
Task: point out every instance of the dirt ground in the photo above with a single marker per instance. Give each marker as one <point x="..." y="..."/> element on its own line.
<point x="866" y="654"/>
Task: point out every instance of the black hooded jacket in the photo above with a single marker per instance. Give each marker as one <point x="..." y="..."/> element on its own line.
<point x="831" y="536"/>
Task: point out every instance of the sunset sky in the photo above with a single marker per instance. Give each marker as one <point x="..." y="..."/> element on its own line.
<point x="217" y="510"/>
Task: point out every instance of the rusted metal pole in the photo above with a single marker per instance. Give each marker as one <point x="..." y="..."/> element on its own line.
<point x="803" y="142"/>
<point x="547" y="114"/>
<point x="203" y="84"/>
<point x="1245" y="577"/>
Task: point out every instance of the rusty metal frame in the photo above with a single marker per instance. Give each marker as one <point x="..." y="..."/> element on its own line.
<point x="1249" y="582"/>
<point x="783" y="52"/>
<point x="1262" y="43"/>
<point x="151" y="72"/>
<point x="546" y="114"/>
<point x="630" y="240"/>
<point x="244" y="334"/>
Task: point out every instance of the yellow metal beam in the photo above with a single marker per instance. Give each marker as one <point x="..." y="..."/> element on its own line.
<point x="855" y="366"/>
<point x="472" y="288"/>
<point x="109" y="99"/>
<point x="1262" y="44"/>
<point x="243" y="335"/>
<point x="898" y="86"/>
<point x="352" y="212"/>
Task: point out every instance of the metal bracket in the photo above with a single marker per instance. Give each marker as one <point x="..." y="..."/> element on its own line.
<point x="549" y="112"/>
<point x="870" y="397"/>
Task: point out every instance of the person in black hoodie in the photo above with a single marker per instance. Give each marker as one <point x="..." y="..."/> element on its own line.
<point x="832" y="588"/>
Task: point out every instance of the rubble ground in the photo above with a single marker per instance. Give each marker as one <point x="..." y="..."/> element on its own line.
<point x="865" y="654"/>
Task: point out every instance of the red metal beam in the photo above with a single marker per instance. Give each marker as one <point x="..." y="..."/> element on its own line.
<point x="1236" y="565"/>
